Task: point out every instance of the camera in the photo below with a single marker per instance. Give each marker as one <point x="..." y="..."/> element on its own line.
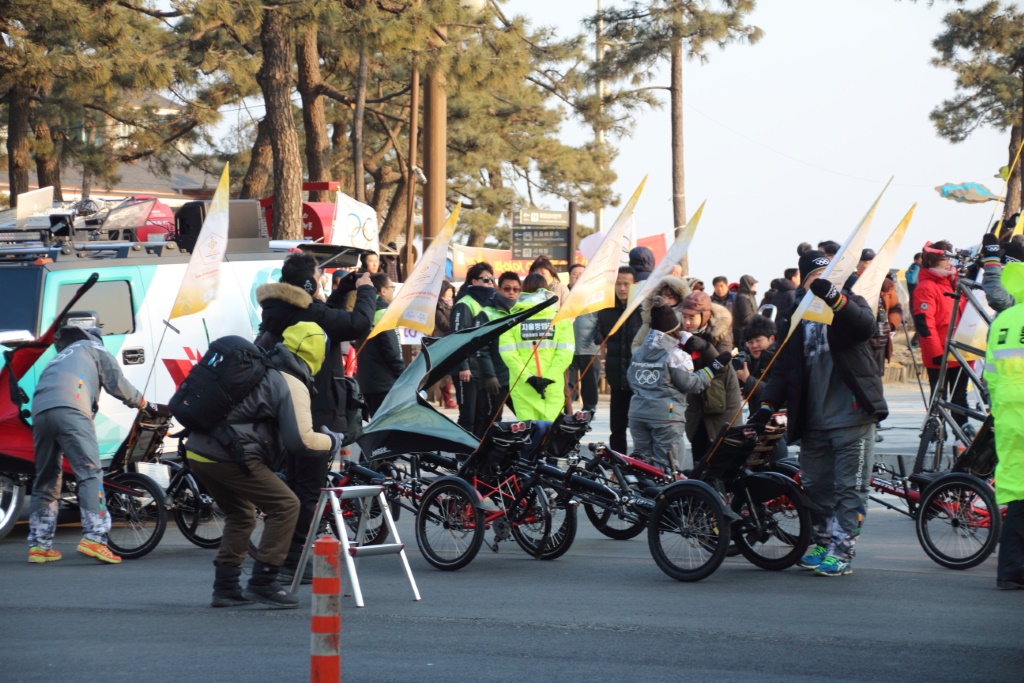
<point x="740" y="359"/>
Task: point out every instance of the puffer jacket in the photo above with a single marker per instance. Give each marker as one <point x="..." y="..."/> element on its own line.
<point x="380" y="361"/>
<point x="852" y="357"/>
<point x="273" y="419"/>
<point x="661" y="375"/>
<point x="285" y="305"/>
<point x="585" y="327"/>
<point x="718" y="334"/>
<point x="932" y="310"/>
<point x="780" y="296"/>
<point x="470" y="311"/>
<point x="678" y="286"/>
<point x="618" y="353"/>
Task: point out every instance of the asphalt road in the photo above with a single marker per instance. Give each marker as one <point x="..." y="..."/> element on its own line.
<point x="602" y="612"/>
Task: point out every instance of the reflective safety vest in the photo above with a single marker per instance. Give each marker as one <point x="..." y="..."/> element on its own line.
<point x="1004" y="375"/>
<point x="535" y="348"/>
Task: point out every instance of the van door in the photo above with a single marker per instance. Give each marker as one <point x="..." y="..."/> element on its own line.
<point x="115" y="300"/>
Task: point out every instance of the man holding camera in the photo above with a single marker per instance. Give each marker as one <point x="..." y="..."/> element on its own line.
<point x="827" y="379"/>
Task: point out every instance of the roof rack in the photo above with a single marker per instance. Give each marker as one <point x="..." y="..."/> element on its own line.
<point x="62" y="251"/>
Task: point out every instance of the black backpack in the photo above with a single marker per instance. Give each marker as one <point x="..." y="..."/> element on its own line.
<point x="224" y="376"/>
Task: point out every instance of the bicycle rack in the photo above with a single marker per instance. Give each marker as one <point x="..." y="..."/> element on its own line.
<point x="351" y="551"/>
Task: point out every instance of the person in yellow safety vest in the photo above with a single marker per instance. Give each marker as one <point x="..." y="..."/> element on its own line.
<point x="538" y="354"/>
<point x="1004" y="375"/>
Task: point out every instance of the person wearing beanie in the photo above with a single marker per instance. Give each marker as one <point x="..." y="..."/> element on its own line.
<point x="826" y="378"/>
<point x="711" y="326"/>
<point x="661" y="375"/>
<point x="994" y="255"/>
<point x="759" y="341"/>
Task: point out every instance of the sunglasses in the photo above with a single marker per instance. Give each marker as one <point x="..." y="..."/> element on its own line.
<point x="486" y="280"/>
<point x="511" y="289"/>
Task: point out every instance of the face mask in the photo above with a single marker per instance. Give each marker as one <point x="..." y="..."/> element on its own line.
<point x="943" y="272"/>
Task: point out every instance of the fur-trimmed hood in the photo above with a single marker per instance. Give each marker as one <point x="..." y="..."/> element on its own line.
<point x="719" y="327"/>
<point x="676" y="284"/>
<point x="289" y="294"/>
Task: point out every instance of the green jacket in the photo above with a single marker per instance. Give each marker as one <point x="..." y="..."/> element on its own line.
<point x="1004" y="375"/>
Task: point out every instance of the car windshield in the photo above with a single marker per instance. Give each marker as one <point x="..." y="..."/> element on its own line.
<point x="22" y="288"/>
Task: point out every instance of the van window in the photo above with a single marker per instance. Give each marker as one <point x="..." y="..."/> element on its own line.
<point x="111" y="301"/>
<point x="20" y="312"/>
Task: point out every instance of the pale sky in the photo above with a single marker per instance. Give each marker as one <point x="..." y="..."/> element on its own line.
<point x="792" y="139"/>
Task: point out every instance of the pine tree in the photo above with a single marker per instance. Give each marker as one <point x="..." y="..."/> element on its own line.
<point x="984" y="48"/>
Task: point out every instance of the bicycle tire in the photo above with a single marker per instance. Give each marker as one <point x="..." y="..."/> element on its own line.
<point x="930" y="438"/>
<point x="781" y="535"/>
<point x="958" y="521"/>
<point x="609" y="523"/>
<point x="12" y="497"/>
<point x="562" y="525"/>
<point x="137" y="512"/>
<point x="688" y="533"/>
<point x="199" y="518"/>
<point x="449" y="526"/>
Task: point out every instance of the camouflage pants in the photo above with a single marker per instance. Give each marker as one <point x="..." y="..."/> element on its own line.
<point x="69" y="432"/>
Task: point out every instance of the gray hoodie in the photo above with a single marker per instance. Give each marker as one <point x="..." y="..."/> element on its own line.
<point x="74" y="377"/>
<point x="661" y="375"/>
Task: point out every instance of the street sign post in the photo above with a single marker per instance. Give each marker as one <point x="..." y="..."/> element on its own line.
<point x="531" y="242"/>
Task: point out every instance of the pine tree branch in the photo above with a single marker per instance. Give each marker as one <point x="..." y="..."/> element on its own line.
<point x="155" y="13"/>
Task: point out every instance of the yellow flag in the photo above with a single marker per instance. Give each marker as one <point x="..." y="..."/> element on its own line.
<point x="673" y="256"/>
<point x="596" y="287"/>
<point x="414" y="305"/>
<point x="869" y="284"/>
<point x="839" y="269"/>
<point x="202" y="276"/>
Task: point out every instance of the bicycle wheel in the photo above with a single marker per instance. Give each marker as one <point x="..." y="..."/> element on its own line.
<point x="775" y="531"/>
<point x="958" y="521"/>
<point x="197" y="515"/>
<point x="449" y="526"/>
<point x="137" y="514"/>
<point x="560" y="526"/>
<point x="12" y="495"/>
<point x="688" y="533"/>
<point x="607" y="522"/>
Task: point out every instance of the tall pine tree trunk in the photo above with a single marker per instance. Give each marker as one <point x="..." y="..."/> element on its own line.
<point x="261" y="165"/>
<point x="275" y="81"/>
<point x="1015" y="183"/>
<point x="357" y="129"/>
<point x="19" y="147"/>
<point x="393" y="229"/>
<point x="678" y="176"/>
<point x="314" y="119"/>
<point x="47" y="159"/>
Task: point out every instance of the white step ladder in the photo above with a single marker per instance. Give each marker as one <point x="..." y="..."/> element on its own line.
<point x="353" y="550"/>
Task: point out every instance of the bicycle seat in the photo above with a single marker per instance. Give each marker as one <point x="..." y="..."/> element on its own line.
<point x="924" y="479"/>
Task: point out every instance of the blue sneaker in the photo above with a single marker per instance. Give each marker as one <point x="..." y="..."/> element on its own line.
<point x="813" y="558"/>
<point x="833" y="566"/>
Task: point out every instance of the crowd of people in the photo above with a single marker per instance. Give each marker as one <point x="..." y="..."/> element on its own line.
<point x="678" y="371"/>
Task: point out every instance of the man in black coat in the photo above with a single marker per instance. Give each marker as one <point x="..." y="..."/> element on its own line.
<point x="380" y="360"/>
<point x="827" y="379"/>
<point x="286" y="303"/>
<point x="618" y="354"/>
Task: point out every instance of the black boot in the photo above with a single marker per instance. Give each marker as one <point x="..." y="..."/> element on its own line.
<point x="291" y="563"/>
<point x="264" y="588"/>
<point x="227" y="592"/>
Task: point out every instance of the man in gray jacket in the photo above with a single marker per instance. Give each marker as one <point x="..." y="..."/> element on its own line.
<point x="62" y="408"/>
<point x="661" y="375"/>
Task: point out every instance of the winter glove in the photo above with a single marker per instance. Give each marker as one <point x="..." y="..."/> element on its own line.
<point x="990" y="250"/>
<point x="492" y="385"/>
<point x="826" y="291"/>
<point x="694" y="344"/>
<point x="1013" y="252"/>
<point x="539" y="384"/>
<point x="336" y="441"/>
<point x="761" y="416"/>
<point x="142" y="404"/>
<point x="721" y="362"/>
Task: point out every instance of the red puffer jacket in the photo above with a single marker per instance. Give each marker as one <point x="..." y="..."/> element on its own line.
<point x="932" y="310"/>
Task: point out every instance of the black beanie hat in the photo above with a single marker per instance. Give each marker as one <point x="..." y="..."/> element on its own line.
<point x="664" y="319"/>
<point x="811" y="261"/>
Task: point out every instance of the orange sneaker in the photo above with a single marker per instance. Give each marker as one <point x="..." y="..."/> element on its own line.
<point x="97" y="551"/>
<point x="38" y="555"/>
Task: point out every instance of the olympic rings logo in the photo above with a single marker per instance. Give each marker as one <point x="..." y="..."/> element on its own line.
<point x="647" y="376"/>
